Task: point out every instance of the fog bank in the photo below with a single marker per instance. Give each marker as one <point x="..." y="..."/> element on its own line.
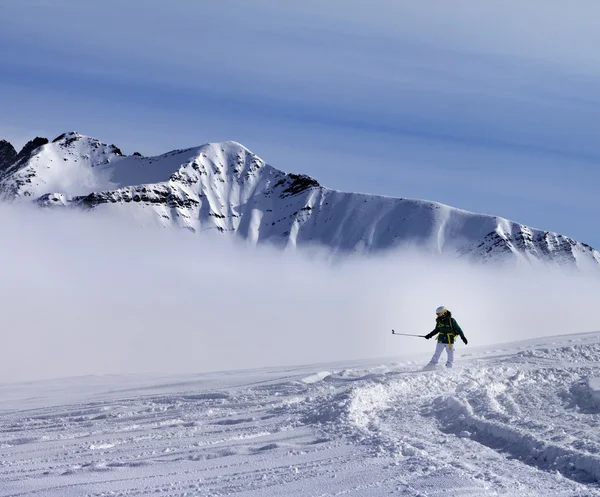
<point x="83" y="294"/>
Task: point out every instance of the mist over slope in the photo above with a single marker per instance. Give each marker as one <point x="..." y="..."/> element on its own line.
<point x="224" y="187"/>
<point x="86" y="293"/>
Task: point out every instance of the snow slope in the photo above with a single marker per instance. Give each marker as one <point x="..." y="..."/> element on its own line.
<point x="518" y="419"/>
<point x="225" y="187"/>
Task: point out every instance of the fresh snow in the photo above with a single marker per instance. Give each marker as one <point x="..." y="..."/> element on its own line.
<point x="517" y="419"/>
<point x="224" y="187"/>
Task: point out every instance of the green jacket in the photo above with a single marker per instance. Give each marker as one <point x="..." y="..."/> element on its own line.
<point x="448" y="328"/>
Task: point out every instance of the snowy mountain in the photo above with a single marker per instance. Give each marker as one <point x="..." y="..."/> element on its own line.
<point x="515" y="420"/>
<point x="225" y="187"/>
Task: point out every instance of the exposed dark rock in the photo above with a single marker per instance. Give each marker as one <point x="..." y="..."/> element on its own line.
<point x="137" y="154"/>
<point x="147" y="195"/>
<point x="27" y="151"/>
<point x="116" y="150"/>
<point x="297" y="183"/>
<point x="67" y="138"/>
<point x="8" y="155"/>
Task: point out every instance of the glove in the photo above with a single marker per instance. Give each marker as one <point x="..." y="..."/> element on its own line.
<point x="465" y="340"/>
<point x="427" y="337"/>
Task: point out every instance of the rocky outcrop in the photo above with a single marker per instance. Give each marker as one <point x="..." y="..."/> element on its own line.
<point x="30" y="147"/>
<point x="8" y="155"/>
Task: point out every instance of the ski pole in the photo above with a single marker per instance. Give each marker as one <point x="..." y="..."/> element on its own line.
<point x="407" y="335"/>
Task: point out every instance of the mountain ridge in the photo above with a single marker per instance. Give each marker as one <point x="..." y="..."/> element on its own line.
<point x="225" y="187"/>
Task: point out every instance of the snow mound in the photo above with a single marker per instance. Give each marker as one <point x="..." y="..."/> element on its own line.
<point x="314" y="378"/>
<point x="585" y="394"/>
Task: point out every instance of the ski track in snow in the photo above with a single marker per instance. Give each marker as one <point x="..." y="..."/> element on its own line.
<point x="519" y="419"/>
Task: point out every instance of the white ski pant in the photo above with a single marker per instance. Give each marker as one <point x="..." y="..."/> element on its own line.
<point x="438" y="352"/>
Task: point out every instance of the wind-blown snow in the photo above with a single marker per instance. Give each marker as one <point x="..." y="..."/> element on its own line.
<point x="518" y="419"/>
<point x="224" y="187"/>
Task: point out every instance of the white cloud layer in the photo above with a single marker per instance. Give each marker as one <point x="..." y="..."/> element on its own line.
<point x="82" y="294"/>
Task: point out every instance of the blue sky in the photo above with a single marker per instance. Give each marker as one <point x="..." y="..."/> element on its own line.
<point x="488" y="106"/>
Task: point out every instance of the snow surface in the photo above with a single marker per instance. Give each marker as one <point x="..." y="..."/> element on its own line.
<point x="518" y="419"/>
<point x="69" y="165"/>
<point x="224" y="187"/>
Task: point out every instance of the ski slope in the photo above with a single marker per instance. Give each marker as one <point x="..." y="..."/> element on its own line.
<point x="519" y="419"/>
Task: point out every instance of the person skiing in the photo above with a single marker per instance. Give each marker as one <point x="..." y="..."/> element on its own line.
<point x="446" y="328"/>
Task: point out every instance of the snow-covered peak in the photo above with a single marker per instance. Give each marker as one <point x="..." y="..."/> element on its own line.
<point x="65" y="165"/>
<point x="225" y="187"/>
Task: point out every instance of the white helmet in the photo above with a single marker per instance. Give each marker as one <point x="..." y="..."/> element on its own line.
<point x="441" y="310"/>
